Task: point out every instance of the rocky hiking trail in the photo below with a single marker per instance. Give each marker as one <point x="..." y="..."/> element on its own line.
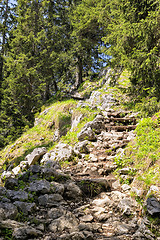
<point x="83" y="201"/>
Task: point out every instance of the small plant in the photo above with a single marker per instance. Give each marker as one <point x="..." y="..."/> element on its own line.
<point x="6" y="233"/>
<point x="21" y="184"/>
<point x="21" y="217"/>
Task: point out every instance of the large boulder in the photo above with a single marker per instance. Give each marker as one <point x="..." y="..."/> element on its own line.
<point x="86" y="134"/>
<point x="90" y="128"/>
<point x="2" y="191"/>
<point x="62" y="152"/>
<point x="67" y="222"/>
<point x="24" y="207"/>
<point x="81" y="147"/>
<point x="57" y="188"/>
<point x="35" y="155"/>
<point x="55" y="213"/>
<point x="50" y="200"/>
<point x="72" y="191"/>
<point x="7" y="210"/>
<point x="6" y="175"/>
<point x="26" y="232"/>
<point x="17" y="195"/>
<point x="101" y="100"/>
<point x="11" y="183"/>
<point x="98" y="124"/>
<point x="39" y="186"/>
<point x="153" y="206"/>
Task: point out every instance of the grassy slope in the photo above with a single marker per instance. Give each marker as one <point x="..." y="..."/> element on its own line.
<point x="56" y="115"/>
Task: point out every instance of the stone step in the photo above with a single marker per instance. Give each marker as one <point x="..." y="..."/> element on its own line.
<point x="118" y="113"/>
<point x="121" y="128"/>
<point x="122" y="120"/>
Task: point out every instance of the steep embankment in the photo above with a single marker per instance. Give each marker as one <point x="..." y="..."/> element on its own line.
<point x="71" y="191"/>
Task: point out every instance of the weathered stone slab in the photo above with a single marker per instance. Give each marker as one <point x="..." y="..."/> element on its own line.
<point x="35" y="155"/>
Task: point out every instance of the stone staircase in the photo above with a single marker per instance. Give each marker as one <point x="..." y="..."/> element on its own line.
<point x="117" y="133"/>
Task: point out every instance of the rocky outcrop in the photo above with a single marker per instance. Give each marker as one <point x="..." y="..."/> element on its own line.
<point x="35" y="156"/>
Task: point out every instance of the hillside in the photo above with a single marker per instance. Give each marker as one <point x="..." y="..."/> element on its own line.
<point x="88" y="169"/>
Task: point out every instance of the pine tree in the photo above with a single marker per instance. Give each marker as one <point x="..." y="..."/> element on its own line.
<point x="133" y="37"/>
<point x="5" y="22"/>
<point x="24" y="81"/>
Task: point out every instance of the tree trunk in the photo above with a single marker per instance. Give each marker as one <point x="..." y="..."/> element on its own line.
<point x="79" y="73"/>
<point x="3" y="47"/>
<point x="55" y="86"/>
<point x="47" y="92"/>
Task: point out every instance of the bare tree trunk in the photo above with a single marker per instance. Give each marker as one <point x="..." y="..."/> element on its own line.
<point x="3" y="46"/>
<point x="55" y="86"/>
<point x="79" y="71"/>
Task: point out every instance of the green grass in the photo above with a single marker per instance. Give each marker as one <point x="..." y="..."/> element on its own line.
<point x="144" y="152"/>
<point x="88" y="115"/>
<point x="41" y="134"/>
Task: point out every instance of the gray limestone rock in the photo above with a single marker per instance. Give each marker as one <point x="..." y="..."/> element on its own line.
<point x="23" y="165"/>
<point x="50" y="200"/>
<point x="57" y="188"/>
<point x="75" y="121"/>
<point x="62" y="152"/>
<point x="101" y="100"/>
<point x="86" y="134"/>
<point x="67" y="222"/>
<point x="6" y="175"/>
<point x="88" y="235"/>
<point x="53" y="174"/>
<point x="35" y="169"/>
<point x="2" y="191"/>
<point x="10" y="224"/>
<point x="85" y="226"/>
<point x="143" y="232"/>
<point x="45" y="158"/>
<point x="35" y="155"/>
<point x="7" y="210"/>
<point x="72" y="236"/>
<point x="72" y="191"/>
<point x="97" y="124"/>
<point x="55" y="213"/>
<point x="39" y="186"/>
<point x="86" y="218"/>
<point x="17" y="195"/>
<point x="11" y="183"/>
<point x="101" y="202"/>
<point x="153" y="206"/>
<point x="24" y="207"/>
<point x="126" y="206"/>
<point x="26" y="232"/>
<point x="5" y="200"/>
<point x="16" y="170"/>
<point x="48" y="173"/>
<point x="56" y="135"/>
<point x="81" y="147"/>
<point x="54" y="164"/>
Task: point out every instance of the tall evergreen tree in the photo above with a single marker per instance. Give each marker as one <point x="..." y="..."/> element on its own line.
<point x="24" y="81"/>
<point x="5" y="22"/>
<point x="133" y="37"/>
